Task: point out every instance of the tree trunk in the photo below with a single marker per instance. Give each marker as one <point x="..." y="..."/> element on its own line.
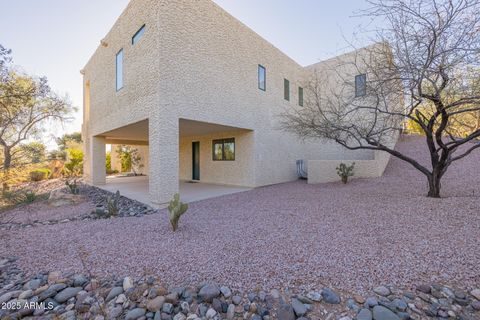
<point x="7" y="158"/>
<point x="434" y="185"/>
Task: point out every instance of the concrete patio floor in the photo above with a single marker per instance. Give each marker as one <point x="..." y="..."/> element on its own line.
<point x="136" y="188"/>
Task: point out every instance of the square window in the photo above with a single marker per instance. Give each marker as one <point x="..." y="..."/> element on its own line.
<point x="262" y="78"/>
<point x="360" y="85"/>
<point x="286" y="89"/>
<point x="223" y="149"/>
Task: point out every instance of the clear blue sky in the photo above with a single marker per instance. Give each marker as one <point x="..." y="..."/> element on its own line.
<point x="55" y="38"/>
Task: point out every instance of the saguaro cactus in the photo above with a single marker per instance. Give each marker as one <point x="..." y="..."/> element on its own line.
<point x="176" y="209"/>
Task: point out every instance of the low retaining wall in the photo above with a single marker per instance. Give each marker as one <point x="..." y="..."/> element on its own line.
<point x="321" y="171"/>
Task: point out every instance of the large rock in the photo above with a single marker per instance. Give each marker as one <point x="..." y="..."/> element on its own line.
<point x="314" y="296"/>
<point x="66" y="294"/>
<point x="299" y="308"/>
<point x="330" y="296"/>
<point x="156" y="304"/>
<point x="364" y="314"/>
<point x="231" y="312"/>
<point x="59" y="198"/>
<point x="285" y="312"/>
<point x="382" y="313"/>
<point x="127" y="283"/>
<point x="114" y="293"/>
<point x="382" y="291"/>
<point x="135" y="314"/>
<point x="32" y="284"/>
<point x="227" y="293"/>
<point x="475" y="293"/>
<point x="208" y="292"/>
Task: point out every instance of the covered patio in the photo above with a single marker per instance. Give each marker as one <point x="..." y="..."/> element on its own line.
<point x="200" y="160"/>
<point x="136" y="188"/>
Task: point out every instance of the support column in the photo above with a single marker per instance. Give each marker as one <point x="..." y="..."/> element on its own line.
<point x="163" y="159"/>
<point x="96" y="161"/>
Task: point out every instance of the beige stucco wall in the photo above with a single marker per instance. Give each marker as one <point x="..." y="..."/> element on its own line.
<point x="197" y="62"/>
<point x="238" y="172"/>
<point x="321" y="171"/>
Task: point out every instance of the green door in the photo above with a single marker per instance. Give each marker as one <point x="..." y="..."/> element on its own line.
<point x="196" y="160"/>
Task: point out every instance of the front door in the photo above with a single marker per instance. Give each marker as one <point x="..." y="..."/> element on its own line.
<point x="196" y="160"/>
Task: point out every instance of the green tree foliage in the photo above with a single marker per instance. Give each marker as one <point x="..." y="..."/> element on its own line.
<point x="130" y="158"/>
<point x="33" y="152"/>
<point x="64" y="140"/>
<point x="108" y="162"/>
<point x="27" y="103"/>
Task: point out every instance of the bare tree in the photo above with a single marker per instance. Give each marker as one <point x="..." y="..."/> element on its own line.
<point x="427" y="58"/>
<point x="26" y="103"/>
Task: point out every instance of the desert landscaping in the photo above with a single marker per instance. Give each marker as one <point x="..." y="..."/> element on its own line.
<point x="403" y="253"/>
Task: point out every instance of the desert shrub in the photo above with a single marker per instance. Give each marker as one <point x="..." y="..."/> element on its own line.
<point x="29" y="196"/>
<point x="345" y="171"/>
<point x="176" y="210"/>
<point x="74" y="166"/>
<point x="19" y="196"/>
<point x="73" y="186"/>
<point x="40" y="174"/>
<point x="108" y="162"/>
<point x="12" y="197"/>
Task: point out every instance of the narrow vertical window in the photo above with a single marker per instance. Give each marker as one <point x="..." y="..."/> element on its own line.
<point x="262" y="78"/>
<point x="119" y="70"/>
<point x="360" y="85"/>
<point x="138" y="34"/>
<point x="286" y="89"/>
<point x="300" y="96"/>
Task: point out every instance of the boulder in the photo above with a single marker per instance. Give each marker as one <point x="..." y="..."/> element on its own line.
<point x="155" y="304"/>
<point x="208" y="292"/>
<point x="135" y="314"/>
<point x="382" y="313"/>
<point x="330" y="296"/>
<point x="59" y="198"/>
<point x="66" y="294"/>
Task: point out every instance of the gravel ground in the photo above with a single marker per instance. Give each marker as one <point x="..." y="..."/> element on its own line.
<point x="41" y="211"/>
<point x="350" y="237"/>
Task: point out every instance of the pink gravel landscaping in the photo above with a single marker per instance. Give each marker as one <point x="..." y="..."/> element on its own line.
<point x="350" y="237"/>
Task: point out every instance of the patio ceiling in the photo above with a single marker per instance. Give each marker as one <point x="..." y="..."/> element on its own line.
<point x="135" y="132"/>
<point x="197" y="128"/>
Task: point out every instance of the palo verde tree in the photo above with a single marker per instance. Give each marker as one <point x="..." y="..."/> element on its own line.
<point x="26" y="104"/>
<point x="424" y="69"/>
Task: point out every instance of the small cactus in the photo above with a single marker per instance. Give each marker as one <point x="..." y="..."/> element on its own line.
<point x="73" y="186"/>
<point x="345" y="171"/>
<point x="176" y="209"/>
<point x="113" y="204"/>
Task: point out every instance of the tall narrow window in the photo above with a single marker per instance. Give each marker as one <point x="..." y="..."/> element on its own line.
<point x="119" y="70"/>
<point x="360" y="85"/>
<point x="138" y="34"/>
<point x="286" y="89"/>
<point x="300" y="96"/>
<point x="262" y="78"/>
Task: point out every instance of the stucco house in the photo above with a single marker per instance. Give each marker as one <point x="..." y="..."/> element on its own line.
<point x="201" y="94"/>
